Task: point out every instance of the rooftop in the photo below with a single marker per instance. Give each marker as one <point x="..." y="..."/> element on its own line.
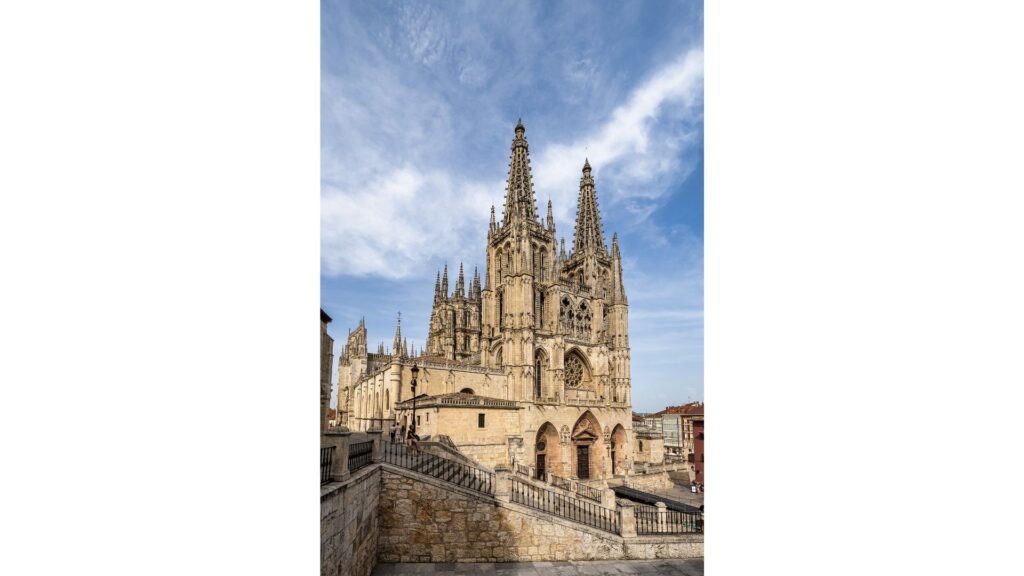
<point x="691" y="409"/>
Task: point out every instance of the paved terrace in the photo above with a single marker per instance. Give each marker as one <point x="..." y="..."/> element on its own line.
<point x="693" y="567"/>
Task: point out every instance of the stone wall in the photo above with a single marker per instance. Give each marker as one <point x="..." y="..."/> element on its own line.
<point x="652" y="481"/>
<point x="426" y="520"/>
<point x="349" y="524"/>
<point x="487" y="445"/>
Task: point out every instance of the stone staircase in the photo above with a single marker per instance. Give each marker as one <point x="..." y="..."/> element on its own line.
<point x="540" y="496"/>
<point x="446" y="469"/>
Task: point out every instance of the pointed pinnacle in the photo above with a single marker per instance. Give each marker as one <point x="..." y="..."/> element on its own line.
<point x="586" y="165"/>
<point x="519" y="125"/>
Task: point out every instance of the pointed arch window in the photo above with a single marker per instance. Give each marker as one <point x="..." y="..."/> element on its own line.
<point x="540" y="360"/>
<point x="501" y="308"/>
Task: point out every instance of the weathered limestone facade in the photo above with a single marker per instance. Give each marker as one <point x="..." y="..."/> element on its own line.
<point x="543" y="345"/>
<point x="349" y="525"/>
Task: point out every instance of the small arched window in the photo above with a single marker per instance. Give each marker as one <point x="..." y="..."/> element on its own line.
<point x="538" y="367"/>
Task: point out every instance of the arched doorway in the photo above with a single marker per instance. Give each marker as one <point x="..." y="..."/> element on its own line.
<point x="548" y="450"/>
<point x="466" y="391"/>
<point x="587" y="442"/>
<point x="618" y="450"/>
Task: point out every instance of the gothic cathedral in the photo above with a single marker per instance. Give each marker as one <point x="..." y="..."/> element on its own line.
<point x="532" y="368"/>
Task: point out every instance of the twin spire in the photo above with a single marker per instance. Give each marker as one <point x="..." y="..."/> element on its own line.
<point x="521" y="204"/>
<point x="588" y="236"/>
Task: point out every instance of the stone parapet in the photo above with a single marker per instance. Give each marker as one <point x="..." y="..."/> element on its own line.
<point x="340" y="438"/>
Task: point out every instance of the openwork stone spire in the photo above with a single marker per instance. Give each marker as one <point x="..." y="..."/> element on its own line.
<point x="444" y="282"/>
<point x="588" y="237"/>
<point x="520" y="203"/>
<point x="396" y="346"/>
<point x="460" y="284"/>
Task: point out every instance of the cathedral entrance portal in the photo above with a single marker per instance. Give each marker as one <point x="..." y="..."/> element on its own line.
<point x="583" y="461"/>
<point x="548" y="451"/>
<point x="587" y="461"/>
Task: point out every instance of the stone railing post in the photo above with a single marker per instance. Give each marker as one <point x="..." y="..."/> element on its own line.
<point x="547" y="477"/>
<point x="502" y="483"/>
<point x="627" y="520"/>
<point x="662" y="517"/>
<point x="608" y="498"/>
<point x="375" y="435"/>
<point x="339" y="462"/>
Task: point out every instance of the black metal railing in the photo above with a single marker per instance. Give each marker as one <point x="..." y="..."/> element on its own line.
<point x="441" y="468"/>
<point x="649" y="521"/>
<point x="567" y="507"/>
<point x="588" y="492"/>
<point x="359" y="455"/>
<point x="326" y="457"/>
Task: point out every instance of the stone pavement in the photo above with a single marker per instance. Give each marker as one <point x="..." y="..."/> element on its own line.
<point x="692" y="567"/>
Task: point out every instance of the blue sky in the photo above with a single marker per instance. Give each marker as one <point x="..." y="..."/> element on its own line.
<point x="418" y="105"/>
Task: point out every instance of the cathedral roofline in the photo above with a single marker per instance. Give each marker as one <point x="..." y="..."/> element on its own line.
<point x="458" y="400"/>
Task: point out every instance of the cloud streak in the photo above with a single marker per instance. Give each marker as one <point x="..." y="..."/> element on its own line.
<point x="374" y="223"/>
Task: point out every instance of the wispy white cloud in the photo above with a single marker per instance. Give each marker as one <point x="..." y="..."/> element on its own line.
<point x="396" y="223"/>
<point x="377" y="206"/>
<point x="639" y="152"/>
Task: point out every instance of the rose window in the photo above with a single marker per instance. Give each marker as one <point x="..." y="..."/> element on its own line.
<point x="573" y="372"/>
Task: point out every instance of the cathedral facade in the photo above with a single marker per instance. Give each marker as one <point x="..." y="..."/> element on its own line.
<point x="529" y="368"/>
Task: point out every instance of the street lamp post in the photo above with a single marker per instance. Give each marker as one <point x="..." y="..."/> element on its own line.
<point x="415" y="373"/>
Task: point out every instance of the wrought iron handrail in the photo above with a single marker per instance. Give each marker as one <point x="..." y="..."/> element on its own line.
<point x="588" y="492"/>
<point x="651" y="520"/>
<point x="441" y="468"/>
<point x="573" y="509"/>
<point x="326" y="457"/>
<point x="359" y="455"/>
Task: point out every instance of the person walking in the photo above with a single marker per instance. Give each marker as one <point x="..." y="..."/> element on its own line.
<point x="392" y="430"/>
<point x="413" y="448"/>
